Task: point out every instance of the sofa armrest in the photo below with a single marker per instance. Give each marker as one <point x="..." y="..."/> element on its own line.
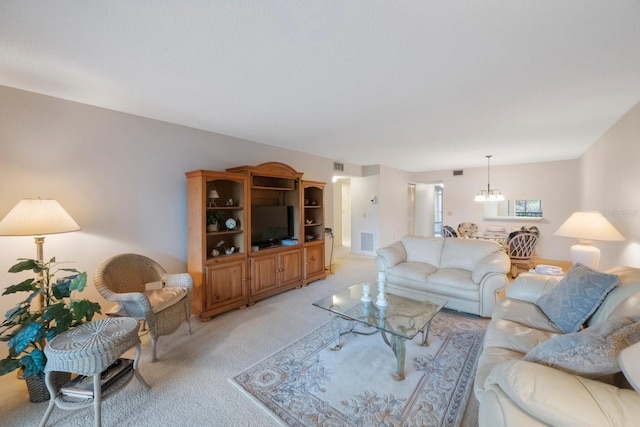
<point x="561" y="399"/>
<point x="495" y="262"/>
<point x="390" y="256"/>
<point x="529" y="286"/>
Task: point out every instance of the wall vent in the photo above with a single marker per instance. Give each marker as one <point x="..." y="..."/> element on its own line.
<point x="457" y="173"/>
<point x="338" y="166"/>
<point x="366" y="242"/>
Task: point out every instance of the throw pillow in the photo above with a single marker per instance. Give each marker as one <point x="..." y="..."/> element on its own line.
<point x="592" y="352"/>
<point x="576" y="297"/>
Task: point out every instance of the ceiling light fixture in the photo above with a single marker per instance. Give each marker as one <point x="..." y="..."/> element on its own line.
<point x="489" y="195"/>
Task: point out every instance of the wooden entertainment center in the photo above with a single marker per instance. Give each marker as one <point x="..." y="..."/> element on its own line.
<point x="275" y="241"/>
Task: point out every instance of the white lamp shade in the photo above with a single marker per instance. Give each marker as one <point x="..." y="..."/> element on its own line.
<point x="37" y="217"/>
<point x="213" y="194"/>
<point x="589" y="226"/>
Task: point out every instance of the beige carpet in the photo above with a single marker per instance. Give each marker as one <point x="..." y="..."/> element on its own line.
<point x="190" y="383"/>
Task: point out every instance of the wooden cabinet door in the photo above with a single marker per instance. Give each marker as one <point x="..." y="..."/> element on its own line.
<point x="226" y="284"/>
<point x="290" y="267"/>
<point x="313" y="261"/>
<point x="263" y="273"/>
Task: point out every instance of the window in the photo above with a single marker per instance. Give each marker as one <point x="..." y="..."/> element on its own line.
<point x="528" y="208"/>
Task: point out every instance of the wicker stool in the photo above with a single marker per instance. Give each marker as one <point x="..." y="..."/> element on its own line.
<point x="88" y="350"/>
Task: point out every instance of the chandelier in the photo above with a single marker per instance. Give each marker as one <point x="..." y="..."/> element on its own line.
<point x="489" y="195"/>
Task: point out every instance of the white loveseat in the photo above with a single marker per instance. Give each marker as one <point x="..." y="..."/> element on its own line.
<point x="468" y="273"/>
<point x="516" y="389"/>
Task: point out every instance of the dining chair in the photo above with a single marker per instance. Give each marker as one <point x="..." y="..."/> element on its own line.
<point x="520" y="248"/>
<point x="448" y="231"/>
<point x="467" y="229"/>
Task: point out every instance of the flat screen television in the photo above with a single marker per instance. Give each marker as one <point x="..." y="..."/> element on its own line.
<point x="271" y="223"/>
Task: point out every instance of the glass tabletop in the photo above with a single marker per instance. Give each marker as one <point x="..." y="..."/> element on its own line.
<point x="404" y="317"/>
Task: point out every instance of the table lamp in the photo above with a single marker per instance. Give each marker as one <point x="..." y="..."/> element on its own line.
<point x="37" y="218"/>
<point x="213" y="195"/>
<point x="587" y="226"/>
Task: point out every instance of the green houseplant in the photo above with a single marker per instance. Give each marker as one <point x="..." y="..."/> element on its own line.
<point x="214" y="219"/>
<point x="27" y="330"/>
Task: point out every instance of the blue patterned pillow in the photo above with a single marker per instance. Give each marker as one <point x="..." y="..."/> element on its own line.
<point x="576" y="297"/>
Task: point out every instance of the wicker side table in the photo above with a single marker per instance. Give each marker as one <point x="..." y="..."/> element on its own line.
<point x="88" y="350"/>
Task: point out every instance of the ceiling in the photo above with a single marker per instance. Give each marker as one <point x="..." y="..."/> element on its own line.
<point x="416" y="85"/>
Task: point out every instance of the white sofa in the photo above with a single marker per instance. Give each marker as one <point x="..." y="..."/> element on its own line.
<point x="514" y="390"/>
<point x="468" y="273"/>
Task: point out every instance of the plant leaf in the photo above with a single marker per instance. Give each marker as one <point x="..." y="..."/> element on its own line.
<point x="31" y="332"/>
<point x="25" y="264"/>
<point x="61" y="289"/>
<point x="33" y="363"/>
<point x="28" y="285"/>
<point x="8" y="365"/>
<point x="62" y="316"/>
<point x="78" y="282"/>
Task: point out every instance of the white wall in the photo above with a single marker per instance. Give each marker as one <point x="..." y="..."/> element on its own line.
<point x="121" y="177"/>
<point x="394" y="204"/>
<point x="425" y="214"/>
<point x="365" y="215"/>
<point x="610" y="178"/>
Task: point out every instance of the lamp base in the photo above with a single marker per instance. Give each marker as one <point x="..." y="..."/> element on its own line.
<point x="587" y="255"/>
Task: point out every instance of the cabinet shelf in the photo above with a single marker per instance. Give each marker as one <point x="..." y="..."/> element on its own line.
<point x="313" y="224"/>
<point x="222" y="233"/>
<point x="225" y="256"/>
<point x="224" y="208"/>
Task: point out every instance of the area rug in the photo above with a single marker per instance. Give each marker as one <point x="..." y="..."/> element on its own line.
<point x="308" y="384"/>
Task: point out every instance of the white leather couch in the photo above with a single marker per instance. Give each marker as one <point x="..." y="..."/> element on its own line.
<point x="468" y="273"/>
<point x="516" y="392"/>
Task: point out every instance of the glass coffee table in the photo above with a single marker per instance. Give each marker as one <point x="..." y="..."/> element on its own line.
<point x="400" y="320"/>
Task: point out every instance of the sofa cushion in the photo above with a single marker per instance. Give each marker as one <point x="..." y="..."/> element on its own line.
<point x="411" y="270"/>
<point x="465" y="254"/>
<point x="165" y="297"/>
<point x="554" y="398"/>
<point x="423" y="249"/>
<point x="514" y="336"/>
<point x="592" y="352"/>
<point x="454" y="278"/>
<point x="576" y="297"/>
<point x="524" y="313"/>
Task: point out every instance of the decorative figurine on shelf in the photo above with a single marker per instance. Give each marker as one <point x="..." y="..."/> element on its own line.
<point x="229" y="203"/>
<point x="314" y="202"/>
<point x="215" y="253"/>
<point x="309" y="221"/>
<point x="222" y="247"/>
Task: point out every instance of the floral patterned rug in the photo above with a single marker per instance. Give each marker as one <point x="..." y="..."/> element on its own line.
<point x="308" y="384"/>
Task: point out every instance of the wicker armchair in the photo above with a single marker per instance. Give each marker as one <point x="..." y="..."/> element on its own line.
<point x="520" y="248"/>
<point x="145" y="291"/>
<point x="448" y="231"/>
<point x="467" y="229"/>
